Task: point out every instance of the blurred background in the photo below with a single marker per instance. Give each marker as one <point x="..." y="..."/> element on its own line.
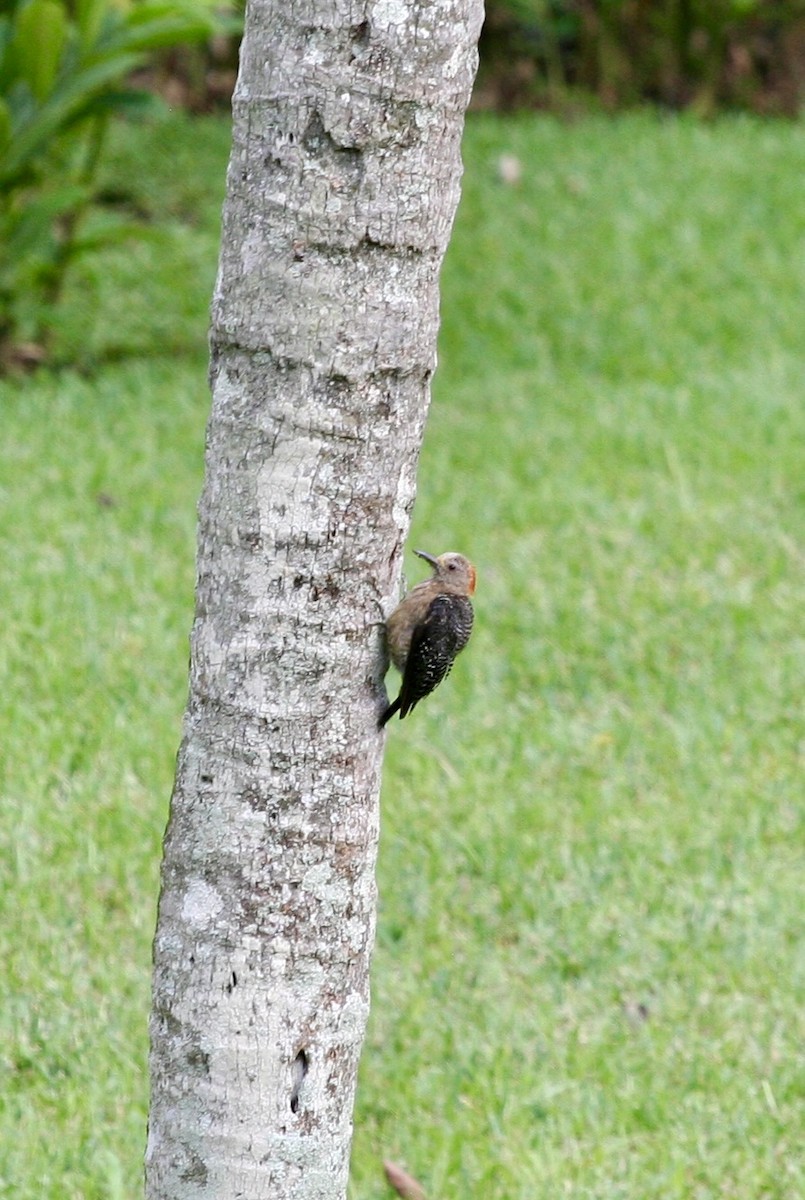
<point x="590" y="959"/>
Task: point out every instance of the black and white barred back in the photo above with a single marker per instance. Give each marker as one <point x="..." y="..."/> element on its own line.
<point x="442" y="635"/>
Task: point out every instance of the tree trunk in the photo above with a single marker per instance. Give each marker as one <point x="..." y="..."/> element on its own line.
<point x="342" y="188"/>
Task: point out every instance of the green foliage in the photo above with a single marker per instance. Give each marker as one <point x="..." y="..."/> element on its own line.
<point x="63" y="68"/>
<point x="589" y="969"/>
<point x="703" y="53"/>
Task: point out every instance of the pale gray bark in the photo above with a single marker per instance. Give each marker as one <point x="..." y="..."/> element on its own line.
<point x="342" y="188"/>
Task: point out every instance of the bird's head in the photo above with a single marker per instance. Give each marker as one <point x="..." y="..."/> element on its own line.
<point x="453" y="570"/>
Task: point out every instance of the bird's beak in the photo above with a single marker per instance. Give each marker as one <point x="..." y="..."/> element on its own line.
<point x="427" y="557"/>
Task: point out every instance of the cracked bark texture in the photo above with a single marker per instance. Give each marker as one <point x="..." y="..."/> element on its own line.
<point x="341" y="192"/>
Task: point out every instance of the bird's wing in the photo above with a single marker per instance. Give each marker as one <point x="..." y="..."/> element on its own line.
<point x="444" y="631"/>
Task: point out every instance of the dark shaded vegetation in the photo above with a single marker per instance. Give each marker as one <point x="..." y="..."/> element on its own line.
<point x="705" y="54"/>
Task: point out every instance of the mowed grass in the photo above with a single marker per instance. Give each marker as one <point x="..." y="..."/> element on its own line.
<point x="591" y="948"/>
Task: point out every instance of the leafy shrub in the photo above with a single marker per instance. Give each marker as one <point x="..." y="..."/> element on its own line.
<point x="704" y="53"/>
<point x="63" y="66"/>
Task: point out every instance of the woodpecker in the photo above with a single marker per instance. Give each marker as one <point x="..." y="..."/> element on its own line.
<point x="428" y="628"/>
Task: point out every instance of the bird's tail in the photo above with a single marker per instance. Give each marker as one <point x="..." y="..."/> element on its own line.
<point x="389" y="713"/>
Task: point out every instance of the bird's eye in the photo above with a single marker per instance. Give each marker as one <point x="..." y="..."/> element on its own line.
<point x="451" y="566"/>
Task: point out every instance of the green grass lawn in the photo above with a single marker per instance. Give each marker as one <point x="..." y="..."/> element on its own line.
<point x="590" y="968"/>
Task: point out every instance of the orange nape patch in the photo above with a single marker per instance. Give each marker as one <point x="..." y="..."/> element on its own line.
<point x="471" y="588"/>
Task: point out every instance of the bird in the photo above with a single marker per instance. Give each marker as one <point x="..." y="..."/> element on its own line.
<point x="428" y="628"/>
